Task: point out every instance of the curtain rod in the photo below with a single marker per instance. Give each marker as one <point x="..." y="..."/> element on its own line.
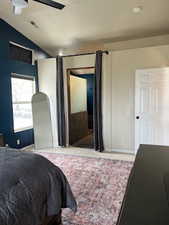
<point x="89" y="53"/>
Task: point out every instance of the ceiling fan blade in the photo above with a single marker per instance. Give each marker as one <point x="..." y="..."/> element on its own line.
<point x="51" y="3"/>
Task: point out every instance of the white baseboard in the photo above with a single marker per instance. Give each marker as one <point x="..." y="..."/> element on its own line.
<point x="126" y="151"/>
<point x="28" y="147"/>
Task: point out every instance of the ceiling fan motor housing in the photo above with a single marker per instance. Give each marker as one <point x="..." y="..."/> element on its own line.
<point x="18" y="5"/>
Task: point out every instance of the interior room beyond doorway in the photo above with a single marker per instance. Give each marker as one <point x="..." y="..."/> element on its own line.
<point x="80" y="94"/>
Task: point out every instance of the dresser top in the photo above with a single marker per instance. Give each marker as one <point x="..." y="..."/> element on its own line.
<point x="146" y="200"/>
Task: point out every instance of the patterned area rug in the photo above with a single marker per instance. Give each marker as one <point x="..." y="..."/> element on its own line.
<point x="98" y="185"/>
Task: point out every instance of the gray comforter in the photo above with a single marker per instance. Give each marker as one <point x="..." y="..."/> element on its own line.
<point x="31" y="187"/>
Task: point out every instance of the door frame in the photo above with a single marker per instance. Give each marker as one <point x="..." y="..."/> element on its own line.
<point x="138" y="73"/>
<point x="68" y="96"/>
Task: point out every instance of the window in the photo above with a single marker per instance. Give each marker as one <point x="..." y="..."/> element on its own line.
<point x="23" y="89"/>
<point x="20" y="53"/>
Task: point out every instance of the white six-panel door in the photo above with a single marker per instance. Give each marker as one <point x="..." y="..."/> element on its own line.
<point x="152" y="107"/>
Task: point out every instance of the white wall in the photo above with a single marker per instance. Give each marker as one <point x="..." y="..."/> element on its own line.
<point x="107" y="100"/>
<point x="159" y="40"/>
<point x="118" y="89"/>
<point x="121" y="68"/>
<point x="78" y="94"/>
<point x="47" y="84"/>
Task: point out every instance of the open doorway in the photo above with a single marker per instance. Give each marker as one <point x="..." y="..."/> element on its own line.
<point x="80" y="107"/>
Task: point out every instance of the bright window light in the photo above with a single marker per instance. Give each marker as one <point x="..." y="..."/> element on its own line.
<point x="23" y="89"/>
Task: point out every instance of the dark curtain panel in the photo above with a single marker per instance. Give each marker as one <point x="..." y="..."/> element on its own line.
<point x="60" y="103"/>
<point x="98" y="134"/>
<point x="36" y="77"/>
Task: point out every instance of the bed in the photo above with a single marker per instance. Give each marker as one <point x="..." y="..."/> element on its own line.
<point x="33" y="191"/>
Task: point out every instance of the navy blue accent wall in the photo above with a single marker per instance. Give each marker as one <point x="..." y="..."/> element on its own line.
<point x="7" y="66"/>
<point x="90" y="89"/>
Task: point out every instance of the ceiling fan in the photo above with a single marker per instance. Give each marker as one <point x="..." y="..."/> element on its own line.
<point x="18" y="5"/>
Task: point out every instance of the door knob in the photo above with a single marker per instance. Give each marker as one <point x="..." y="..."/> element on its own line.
<point x="137" y="117"/>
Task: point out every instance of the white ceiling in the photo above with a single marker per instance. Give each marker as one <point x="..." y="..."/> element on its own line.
<point x="88" y="21"/>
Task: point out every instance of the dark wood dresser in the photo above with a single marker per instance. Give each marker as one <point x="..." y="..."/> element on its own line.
<point x="2" y="144"/>
<point x="146" y="200"/>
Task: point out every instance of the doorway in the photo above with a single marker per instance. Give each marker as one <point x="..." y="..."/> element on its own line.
<point x="80" y="106"/>
<point x="152" y="107"/>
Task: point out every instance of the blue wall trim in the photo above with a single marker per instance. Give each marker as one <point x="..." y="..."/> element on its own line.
<point x="7" y="66"/>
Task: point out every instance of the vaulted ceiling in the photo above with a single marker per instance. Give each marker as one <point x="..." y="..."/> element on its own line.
<point x="88" y="21"/>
